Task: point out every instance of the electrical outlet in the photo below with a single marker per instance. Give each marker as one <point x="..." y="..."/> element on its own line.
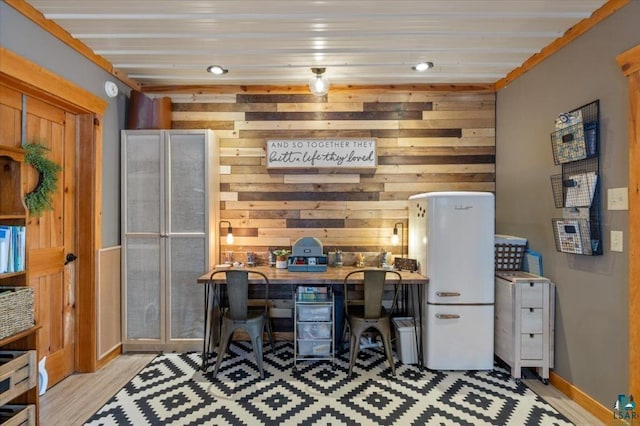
<point x="616" y="241"/>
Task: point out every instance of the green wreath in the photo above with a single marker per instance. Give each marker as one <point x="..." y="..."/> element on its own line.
<point x="39" y="199"/>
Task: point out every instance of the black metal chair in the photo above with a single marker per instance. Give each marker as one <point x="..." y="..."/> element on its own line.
<point x="239" y="315"/>
<point x="370" y="314"/>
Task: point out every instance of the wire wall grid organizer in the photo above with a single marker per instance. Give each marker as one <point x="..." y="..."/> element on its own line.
<point x="577" y="141"/>
<point x="574" y="236"/>
<point x="576" y="190"/>
<point x="576" y="186"/>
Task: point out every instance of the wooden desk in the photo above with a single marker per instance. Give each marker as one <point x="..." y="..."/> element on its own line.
<point x="333" y="276"/>
<point x="281" y="277"/>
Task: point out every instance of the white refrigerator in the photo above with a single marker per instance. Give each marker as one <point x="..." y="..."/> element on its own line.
<point x="451" y="235"/>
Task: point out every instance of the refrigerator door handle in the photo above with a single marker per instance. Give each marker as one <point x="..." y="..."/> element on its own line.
<point x="447" y="293"/>
<point x="447" y="316"/>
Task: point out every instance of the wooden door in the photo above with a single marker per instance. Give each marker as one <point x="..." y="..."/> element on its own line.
<point x="51" y="237"/>
<point x="81" y="180"/>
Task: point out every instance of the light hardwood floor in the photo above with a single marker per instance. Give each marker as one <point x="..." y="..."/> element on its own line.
<point x="72" y="401"/>
<point x="76" y="398"/>
<point x="562" y="403"/>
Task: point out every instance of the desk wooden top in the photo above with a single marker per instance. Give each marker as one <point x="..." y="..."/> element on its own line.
<point x="332" y="276"/>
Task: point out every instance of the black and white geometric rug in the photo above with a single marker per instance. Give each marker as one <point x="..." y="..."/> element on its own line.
<point x="171" y="390"/>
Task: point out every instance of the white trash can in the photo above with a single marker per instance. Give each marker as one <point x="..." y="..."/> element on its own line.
<point x="406" y="339"/>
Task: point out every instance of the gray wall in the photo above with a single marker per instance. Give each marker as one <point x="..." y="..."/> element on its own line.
<point x="591" y="346"/>
<point x="28" y="40"/>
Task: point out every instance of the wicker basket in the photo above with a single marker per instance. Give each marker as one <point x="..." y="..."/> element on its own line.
<point x="16" y="310"/>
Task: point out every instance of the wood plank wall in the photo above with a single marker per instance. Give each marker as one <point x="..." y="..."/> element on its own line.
<point x="427" y="141"/>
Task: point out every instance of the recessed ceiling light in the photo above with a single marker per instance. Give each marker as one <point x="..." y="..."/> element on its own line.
<point x="422" y="66"/>
<point x="216" y="69"/>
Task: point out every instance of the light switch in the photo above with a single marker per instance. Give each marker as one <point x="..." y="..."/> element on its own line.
<point x="616" y="241"/>
<point x="618" y="199"/>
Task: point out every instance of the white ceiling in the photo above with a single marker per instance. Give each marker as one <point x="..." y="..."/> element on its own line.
<point x="260" y="42"/>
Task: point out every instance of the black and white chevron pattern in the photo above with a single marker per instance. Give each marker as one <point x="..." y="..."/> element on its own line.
<point x="172" y="390"/>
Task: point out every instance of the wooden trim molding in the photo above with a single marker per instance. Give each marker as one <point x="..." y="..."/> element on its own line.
<point x="90" y="131"/>
<point x="33" y="79"/>
<point x="634" y="234"/>
<point x="571" y="34"/>
<point x="371" y="89"/>
<point x="585" y="401"/>
<point x="629" y="62"/>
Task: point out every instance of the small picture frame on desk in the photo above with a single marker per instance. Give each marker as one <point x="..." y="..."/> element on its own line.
<point x="402" y="264"/>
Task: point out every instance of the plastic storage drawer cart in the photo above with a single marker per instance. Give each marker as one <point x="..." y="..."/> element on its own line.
<point x="313" y="325"/>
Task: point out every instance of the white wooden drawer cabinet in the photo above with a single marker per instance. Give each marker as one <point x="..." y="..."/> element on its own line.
<point x="524" y="322"/>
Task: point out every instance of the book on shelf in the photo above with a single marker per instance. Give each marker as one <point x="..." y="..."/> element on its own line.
<point x="20" y="244"/>
<point x="12" y="249"/>
<point x="5" y="249"/>
<point x="4" y="255"/>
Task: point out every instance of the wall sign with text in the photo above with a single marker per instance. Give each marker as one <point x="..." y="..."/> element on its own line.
<point x="321" y="153"/>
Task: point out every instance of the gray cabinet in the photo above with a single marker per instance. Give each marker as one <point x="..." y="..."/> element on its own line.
<point x="524" y="322"/>
<point x="170" y="205"/>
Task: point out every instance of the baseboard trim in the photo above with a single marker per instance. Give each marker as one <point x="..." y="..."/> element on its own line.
<point x="582" y="399"/>
<point x="109" y="356"/>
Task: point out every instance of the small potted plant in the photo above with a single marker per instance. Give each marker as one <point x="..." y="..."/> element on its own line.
<point x="281" y="258"/>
